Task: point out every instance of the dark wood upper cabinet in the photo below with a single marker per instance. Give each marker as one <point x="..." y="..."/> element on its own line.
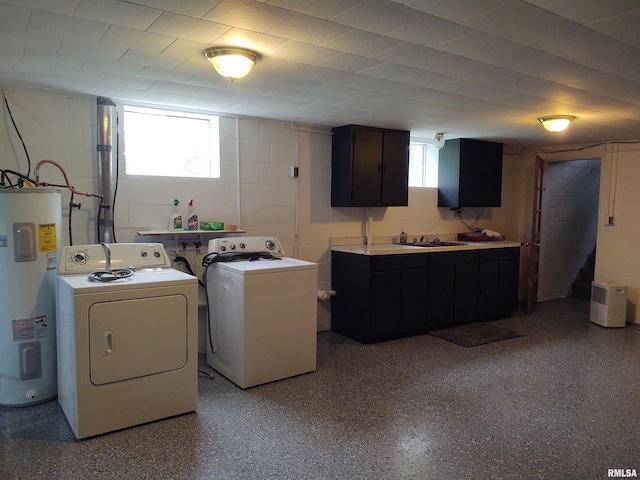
<point x="470" y="174"/>
<point x="369" y="167"/>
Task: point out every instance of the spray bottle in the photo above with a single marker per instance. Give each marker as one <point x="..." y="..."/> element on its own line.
<point x="175" y="220"/>
<point x="192" y="218"/>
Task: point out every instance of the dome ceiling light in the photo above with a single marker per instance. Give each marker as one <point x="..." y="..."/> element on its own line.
<point x="556" y="123"/>
<point x="231" y="62"/>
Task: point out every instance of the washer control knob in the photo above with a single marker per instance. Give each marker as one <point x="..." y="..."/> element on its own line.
<point x="156" y="254"/>
<point x="232" y="246"/>
<point x="79" y="257"/>
<point x="241" y="245"/>
<point x="270" y="244"/>
<point x="143" y="254"/>
<point x="223" y="248"/>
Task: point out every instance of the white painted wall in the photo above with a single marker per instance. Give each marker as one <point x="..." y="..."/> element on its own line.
<point x="63" y="128"/>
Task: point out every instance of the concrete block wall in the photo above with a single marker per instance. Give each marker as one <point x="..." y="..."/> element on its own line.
<point x="569" y="223"/>
<point x="254" y="191"/>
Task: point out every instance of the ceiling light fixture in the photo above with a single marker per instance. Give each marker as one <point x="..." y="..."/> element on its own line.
<point x="439" y="140"/>
<point x="556" y="123"/>
<point x="230" y="62"/>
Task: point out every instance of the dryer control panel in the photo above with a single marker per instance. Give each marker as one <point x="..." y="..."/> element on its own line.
<point x="247" y="245"/>
<point x="78" y="259"/>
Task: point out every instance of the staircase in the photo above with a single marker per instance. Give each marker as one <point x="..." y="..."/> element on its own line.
<point x="581" y="287"/>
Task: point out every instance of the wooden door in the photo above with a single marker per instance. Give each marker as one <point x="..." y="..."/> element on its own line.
<point x="534" y="246"/>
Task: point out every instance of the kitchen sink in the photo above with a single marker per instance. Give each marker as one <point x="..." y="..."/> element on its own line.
<point x="436" y="244"/>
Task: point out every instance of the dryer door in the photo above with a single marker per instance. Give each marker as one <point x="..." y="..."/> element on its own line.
<point x="137" y="337"/>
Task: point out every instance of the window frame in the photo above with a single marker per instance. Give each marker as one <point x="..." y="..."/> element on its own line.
<point x="212" y="167"/>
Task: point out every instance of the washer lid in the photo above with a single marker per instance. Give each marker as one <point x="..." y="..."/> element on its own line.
<point x="248" y="267"/>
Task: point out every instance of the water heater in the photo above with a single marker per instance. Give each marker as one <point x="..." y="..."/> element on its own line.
<point x="30" y="239"/>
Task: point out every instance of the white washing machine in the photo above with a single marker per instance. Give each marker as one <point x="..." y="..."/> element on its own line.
<point x="127" y="337"/>
<point x="262" y="311"/>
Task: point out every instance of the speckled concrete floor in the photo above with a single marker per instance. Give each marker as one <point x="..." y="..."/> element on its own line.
<point x="560" y="402"/>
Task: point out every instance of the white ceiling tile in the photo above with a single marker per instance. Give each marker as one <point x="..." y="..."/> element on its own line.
<point x="455" y="10"/>
<point x="309" y="30"/>
<point x="303" y="53"/>
<point x="191" y="8"/>
<point x="14" y="18"/>
<point x="521" y="16"/>
<point x="623" y="27"/>
<point x="429" y="30"/>
<point x="140" y="40"/>
<point x="66" y="26"/>
<point x="91" y="49"/>
<point x="181" y="26"/>
<point x="56" y="58"/>
<point x="473" y="45"/>
<point x="63" y="7"/>
<point x="126" y="95"/>
<point x="119" y="13"/>
<point x="81" y="74"/>
<point x="120" y="67"/>
<point x="45" y="42"/>
<point x="390" y="71"/>
<point x="248" y="14"/>
<point x="362" y="43"/>
<point x="378" y="16"/>
<point x="186" y="49"/>
<point x="586" y="11"/>
<point x="556" y="70"/>
<point x="149" y="59"/>
<point x="406" y="54"/>
<point x="348" y="63"/>
<point x="498" y="63"/>
<point x="324" y="9"/>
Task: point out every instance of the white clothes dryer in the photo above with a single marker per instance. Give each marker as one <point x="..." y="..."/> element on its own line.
<point x="262" y="311"/>
<point x="127" y="337"/>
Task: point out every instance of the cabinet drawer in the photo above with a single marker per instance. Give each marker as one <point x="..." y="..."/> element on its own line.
<point x="500" y="254"/>
<point x="383" y="263"/>
<point x="453" y="258"/>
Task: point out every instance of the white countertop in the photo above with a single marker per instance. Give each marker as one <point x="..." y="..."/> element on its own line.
<point x="394" y="248"/>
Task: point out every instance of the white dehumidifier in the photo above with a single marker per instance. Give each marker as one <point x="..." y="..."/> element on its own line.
<point x="608" y="304"/>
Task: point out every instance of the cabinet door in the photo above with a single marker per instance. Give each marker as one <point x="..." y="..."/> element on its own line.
<point x="466" y="294"/>
<point x="395" y="168"/>
<point x="471" y="154"/>
<point x="440" y="307"/>
<point x="414" y="300"/>
<point x="386" y="306"/>
<point x="489" y="290"/>
<point x="492" y="174"/>
<point x="367" y="167"/>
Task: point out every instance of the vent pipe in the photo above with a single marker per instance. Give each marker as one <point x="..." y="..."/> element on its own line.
<point x="105" y="169"/>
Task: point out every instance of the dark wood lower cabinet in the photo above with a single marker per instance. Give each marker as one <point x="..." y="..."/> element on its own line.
<point x="381" y="297"/>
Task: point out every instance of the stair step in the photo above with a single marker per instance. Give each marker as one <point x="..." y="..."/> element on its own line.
<point x="581" y="290"/>
<point x="587" y="274"/>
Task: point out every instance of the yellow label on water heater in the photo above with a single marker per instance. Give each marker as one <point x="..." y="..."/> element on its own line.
<point x="47" y="237"/>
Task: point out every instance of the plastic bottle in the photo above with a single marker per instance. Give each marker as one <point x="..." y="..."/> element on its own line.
<point x="192" y="218"/>
<point x="403" y="237"/>
<point x="175" y="220"/>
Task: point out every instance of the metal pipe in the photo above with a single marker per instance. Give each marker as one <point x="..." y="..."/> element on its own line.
<point x="105" y="168"/>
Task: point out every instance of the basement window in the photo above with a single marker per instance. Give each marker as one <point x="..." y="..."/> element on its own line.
<point x="170" y="143"/>
<point x="423" y="165"/>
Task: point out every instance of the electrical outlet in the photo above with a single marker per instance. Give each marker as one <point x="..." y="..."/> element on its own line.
<point x="293" y="172"/>
<point x="457" y="212"/>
